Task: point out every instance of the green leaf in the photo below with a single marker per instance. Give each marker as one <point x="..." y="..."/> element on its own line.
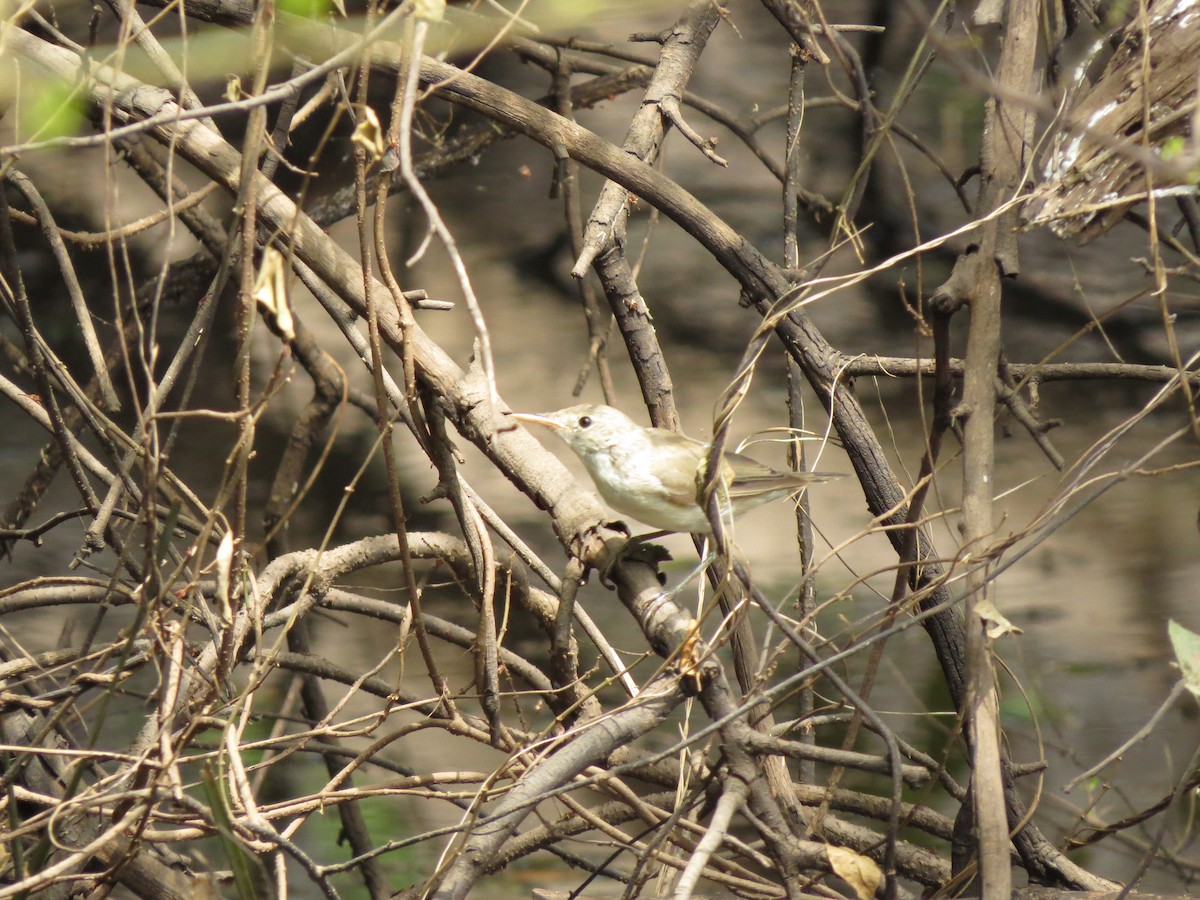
<point x="1173" y="147"/>
<point x="248" y="876"/>
<point x="308" y="9"/>
<point x="51" y="110"/>
<point x="1187" y="654"/>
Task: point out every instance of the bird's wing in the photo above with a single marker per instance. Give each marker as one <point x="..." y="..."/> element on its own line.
<point x="740" y="475"/>
<point x="680" y="457"/>
<point x="748" y="477"/>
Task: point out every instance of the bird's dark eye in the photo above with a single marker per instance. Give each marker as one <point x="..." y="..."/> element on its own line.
<point x="585" y="421"/>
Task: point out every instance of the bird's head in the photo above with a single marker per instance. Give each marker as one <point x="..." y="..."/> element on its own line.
<point x="588" y="429"/>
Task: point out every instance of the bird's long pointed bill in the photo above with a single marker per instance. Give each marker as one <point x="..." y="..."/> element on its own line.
<point x="532" y="419"/>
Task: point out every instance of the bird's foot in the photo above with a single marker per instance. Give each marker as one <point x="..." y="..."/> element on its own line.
<point x="639" y="549"/>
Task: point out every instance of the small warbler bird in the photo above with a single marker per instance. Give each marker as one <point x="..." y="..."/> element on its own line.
<point x="657" y="476"/>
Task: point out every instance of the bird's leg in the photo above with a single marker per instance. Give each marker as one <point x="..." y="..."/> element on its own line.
<point x="648" y="537"/>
